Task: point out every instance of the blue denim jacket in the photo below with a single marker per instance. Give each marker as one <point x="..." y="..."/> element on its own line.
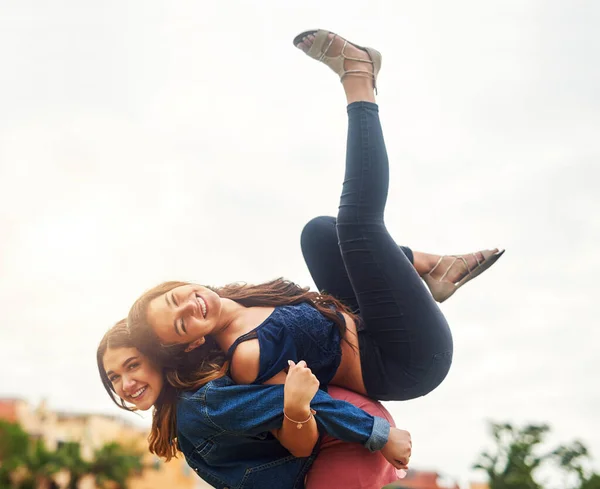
<point x="223" y="431"/>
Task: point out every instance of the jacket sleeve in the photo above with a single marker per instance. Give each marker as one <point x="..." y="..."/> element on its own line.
<point x="254" y="409"/>
<point x="346" y="422"/>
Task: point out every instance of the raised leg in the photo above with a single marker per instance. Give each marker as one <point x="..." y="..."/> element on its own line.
<point x="406" y="345"/>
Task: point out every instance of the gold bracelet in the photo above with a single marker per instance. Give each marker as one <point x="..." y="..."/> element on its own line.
<point x="300" y="423"/>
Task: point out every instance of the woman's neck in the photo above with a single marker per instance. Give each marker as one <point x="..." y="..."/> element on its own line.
<point x="230" y="326"/>
<point x="238" y="320"/>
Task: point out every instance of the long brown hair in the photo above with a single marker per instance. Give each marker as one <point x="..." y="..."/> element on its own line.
<point x="190" y="371"/>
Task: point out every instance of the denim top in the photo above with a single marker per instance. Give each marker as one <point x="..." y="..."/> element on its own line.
<point x="223" y="432"/>
<point x="298" y="332"/>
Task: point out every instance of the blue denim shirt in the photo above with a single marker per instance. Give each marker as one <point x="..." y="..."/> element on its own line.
<point x="223" y="431"/>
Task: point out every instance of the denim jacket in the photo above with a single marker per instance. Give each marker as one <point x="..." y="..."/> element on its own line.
<point x="223" y="431"/>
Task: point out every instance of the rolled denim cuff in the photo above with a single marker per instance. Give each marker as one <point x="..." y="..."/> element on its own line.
<point x="379" y="435"/>
<point x="362" y="105"/>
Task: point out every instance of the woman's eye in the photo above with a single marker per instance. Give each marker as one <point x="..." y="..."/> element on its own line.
<point x="131" y="366"/>
<point x="182" y="326"/>
<point x="113" y="379"/>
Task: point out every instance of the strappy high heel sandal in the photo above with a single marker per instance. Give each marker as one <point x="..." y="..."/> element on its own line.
<point x="442" y="290"/>
<point x="320" y="46"/>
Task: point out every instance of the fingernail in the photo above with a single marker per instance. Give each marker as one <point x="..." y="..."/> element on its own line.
<point x="290" y="363"/>
<point x="401" y="473"/>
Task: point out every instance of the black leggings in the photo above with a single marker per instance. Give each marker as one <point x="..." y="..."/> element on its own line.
<point x="405" y="342"/>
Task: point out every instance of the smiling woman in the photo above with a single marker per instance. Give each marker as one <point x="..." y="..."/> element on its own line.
<point x="183" y="316"/>
<point x="127" y="374"/>
<point x="184" y="311"/>
<point x="135" y="382"/>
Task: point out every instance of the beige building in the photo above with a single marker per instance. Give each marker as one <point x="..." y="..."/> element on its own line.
<point x="92" y="431"/>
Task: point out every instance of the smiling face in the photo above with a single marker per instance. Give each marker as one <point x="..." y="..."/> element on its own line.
<point x="185" y="314"/>
<point x="133" y="376"/>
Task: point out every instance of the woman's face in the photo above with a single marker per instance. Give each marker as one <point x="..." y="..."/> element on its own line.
<point x="185" y="314"/>
<point x="134" y="377"/>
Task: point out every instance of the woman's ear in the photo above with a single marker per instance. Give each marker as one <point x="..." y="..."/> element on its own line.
<point x="195" y="344"/>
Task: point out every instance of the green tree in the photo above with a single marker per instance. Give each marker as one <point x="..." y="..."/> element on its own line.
<point x="591" y="482"/>
<point x="115" y="463"/>
<point x="41" y="465"/>
<point x="574" y="459"/>
<point x="30" y="457"/>
<point x="571" y="459"/>
<point x="517" y="454"/>
<point x="514" y="460"/>
<point x="111" y="463"/>
<point x="14" y="443"/>
<point x="69" y="456"/>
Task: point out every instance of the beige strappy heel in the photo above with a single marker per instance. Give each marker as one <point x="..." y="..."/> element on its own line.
<point x="441" y="290"/>
<point x="321" y="45"/>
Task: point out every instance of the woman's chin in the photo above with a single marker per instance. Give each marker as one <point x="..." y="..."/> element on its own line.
<point x="143" y="406"/>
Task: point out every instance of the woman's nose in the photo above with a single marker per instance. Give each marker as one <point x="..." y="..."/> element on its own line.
<point x="188" y="307"/>
<point x="128" y="384"/>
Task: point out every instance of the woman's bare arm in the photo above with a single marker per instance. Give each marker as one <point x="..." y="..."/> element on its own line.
<point x="300" y="387"/>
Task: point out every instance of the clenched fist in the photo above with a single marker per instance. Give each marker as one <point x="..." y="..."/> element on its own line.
<point x="398" y="448"/>
<point x="300" y="387"/>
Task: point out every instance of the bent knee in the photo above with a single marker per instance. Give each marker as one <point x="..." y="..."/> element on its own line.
<point x="315" y="230"/>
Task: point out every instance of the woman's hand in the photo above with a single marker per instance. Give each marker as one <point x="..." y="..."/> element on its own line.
<point x="300" y="387"/>
<point x="398" y="448"/>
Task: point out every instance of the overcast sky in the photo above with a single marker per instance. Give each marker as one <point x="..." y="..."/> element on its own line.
<point x="151" y="140"/>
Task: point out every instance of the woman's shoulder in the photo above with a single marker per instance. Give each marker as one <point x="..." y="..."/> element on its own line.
<point x="245" y="363"/>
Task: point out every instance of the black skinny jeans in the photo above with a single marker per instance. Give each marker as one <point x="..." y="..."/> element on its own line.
<point x="405" y="342"/>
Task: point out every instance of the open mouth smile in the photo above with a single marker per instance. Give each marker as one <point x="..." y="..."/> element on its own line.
<point x="139" y="393"/>
<point x="202" y="305"/>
